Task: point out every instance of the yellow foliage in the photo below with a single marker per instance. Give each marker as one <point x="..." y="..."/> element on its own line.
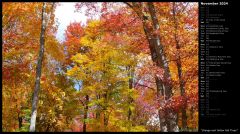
<point x="80" y="58"/>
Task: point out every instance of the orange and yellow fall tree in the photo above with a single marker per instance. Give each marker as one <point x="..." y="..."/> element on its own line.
<point x="132" y="69"/>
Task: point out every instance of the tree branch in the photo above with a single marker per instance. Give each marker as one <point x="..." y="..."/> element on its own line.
<point x="133" y="8"/>
<point x="146" y="86"/>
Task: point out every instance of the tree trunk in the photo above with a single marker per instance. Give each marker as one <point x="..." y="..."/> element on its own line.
<point x="179" y="68"/>
<point x="168" y="118"/>
<point x="98" y="113"/>
<point x="20" y="119"/>
<point x="170" y="115"/>
<point x="130" y="82"/>
<point x="105" y="114"/>
<point x="85" y="114"/>
<point x="160" y="92"/>
<point x="161" y="56"/>
<point x="138" y="9"/>
<point x="38" y="71"/>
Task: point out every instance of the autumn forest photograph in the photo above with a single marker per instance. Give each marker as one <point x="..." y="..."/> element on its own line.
<point x="100" y="67"/>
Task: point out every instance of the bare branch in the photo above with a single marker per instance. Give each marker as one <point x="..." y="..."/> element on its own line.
<point x="146" y="86"/>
